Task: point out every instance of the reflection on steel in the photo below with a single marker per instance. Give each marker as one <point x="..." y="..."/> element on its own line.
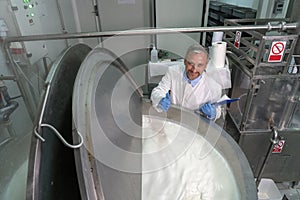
<point x="94" y="116"/>
<point x="103" y="169"/>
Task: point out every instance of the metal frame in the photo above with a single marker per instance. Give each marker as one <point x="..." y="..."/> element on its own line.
<point x="249" y="58"/>
<point x="258" y="128"/>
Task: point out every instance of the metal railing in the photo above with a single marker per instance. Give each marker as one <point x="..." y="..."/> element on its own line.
<point x="282" y="26"/>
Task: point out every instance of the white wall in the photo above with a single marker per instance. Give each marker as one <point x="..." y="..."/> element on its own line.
<point x="127" y="15"/>
<point x="174" y="14"/>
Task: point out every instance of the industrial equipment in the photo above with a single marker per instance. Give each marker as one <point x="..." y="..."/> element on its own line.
<point x="51" y="168"/>
<point x="26" y="15"/>
<point x="108" y="112"/>
<point x="263" y="79"/>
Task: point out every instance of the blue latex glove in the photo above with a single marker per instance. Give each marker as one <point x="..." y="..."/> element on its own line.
<point x="165" y="103"/>
<point x="209" y="110"/>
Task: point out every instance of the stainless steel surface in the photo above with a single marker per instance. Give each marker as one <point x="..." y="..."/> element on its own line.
<point x="273" y="141"/>
<point x="281" y="167"/>
<point x="266" y="87"/>
<point x="51" y="165"/>
<point x="269" y="98"/>
<point x="262" y="101"/>
<point x="40" y="125"/>
<point x="110" y="165"/>
<point x="31" y="107"/>
<point x="7" y="78"/>
<point x="14" y="166"/>
<point x="269" y="27"/>
<point x="107" y="122"/>
<point x="11" y="131"/>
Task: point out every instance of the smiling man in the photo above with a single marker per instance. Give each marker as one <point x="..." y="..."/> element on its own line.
<point x="189" y="86"/>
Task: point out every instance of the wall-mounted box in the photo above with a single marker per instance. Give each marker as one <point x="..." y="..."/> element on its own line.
<point x="26" y="16"/>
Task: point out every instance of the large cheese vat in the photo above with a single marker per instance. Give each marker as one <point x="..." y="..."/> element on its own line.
<point x="51" y="165"/>
<point x="132" y="152"/>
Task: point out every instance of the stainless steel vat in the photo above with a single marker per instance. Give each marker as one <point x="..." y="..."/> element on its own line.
<point x="108" y="109"/>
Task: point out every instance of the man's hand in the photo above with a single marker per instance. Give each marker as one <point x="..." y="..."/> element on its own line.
<point x="209" y="110"/>
<point x="165" y="103"/>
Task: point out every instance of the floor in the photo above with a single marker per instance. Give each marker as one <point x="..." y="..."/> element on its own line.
<point x="290" y="192"/>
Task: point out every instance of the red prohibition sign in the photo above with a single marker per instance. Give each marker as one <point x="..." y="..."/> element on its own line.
<point x="281" y="143"/>
<point x="238" y="36"/>
<point x="277" y="48"/>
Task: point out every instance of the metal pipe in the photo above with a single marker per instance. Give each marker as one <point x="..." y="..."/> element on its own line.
<point x="29" y="106"/>
<point x="273" y="141"/>
<point x="240" y="65"/>
<point x="45" y="66"/>
<point x="279" y="27"/>
<point x="97" y="19"/>
<point x="153" y="21"/>
<point x="76" y="17"/>
<point x="62" y="22"/>
<point x="154" y="31"/>
<point x="5" y="78"/>
<point x="43" y="110"/>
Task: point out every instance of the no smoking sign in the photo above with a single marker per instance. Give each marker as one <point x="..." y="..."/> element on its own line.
<point x="278" y="147"/>
<point x="277" y="51"/>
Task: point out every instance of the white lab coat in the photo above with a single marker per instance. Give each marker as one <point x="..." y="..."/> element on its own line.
<point x="183" y="94"/>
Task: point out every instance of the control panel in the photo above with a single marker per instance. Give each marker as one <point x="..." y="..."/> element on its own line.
<point x="27" y="17"/>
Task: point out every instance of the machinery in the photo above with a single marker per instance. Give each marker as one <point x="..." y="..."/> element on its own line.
<point x="51" y="168"/>
<point x="106" y="114"/>
<point x="107" y="111"/>
<point x="267" y="82"/>
<point x="7" y="107"/>
<point x="118" y="153"/>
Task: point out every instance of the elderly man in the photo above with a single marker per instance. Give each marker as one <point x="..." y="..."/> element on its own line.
<point x="189" y="86"/>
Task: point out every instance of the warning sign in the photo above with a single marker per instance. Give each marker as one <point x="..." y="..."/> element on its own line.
<point x="237" y="39"/>
<point x="277" y="51"/>
<point x="278" y="147"/>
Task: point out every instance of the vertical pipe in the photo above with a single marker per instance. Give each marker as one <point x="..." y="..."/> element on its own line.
<point x="97" y="20"/>
<point x="259" y="176"/>
<point x="45" y="66"/>
<point x="205" y="20"/>
<point x="153" y="21"/>
<point x="76" y="18"/>
<point x="273" y="141"/>
<point x="62" y="23"/>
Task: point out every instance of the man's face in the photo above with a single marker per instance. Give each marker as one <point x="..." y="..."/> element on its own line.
<point x="195" y="64"/>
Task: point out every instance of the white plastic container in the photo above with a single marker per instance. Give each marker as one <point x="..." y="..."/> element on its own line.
<point x="154" y="55"/>
<point x="267" y="190"/>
